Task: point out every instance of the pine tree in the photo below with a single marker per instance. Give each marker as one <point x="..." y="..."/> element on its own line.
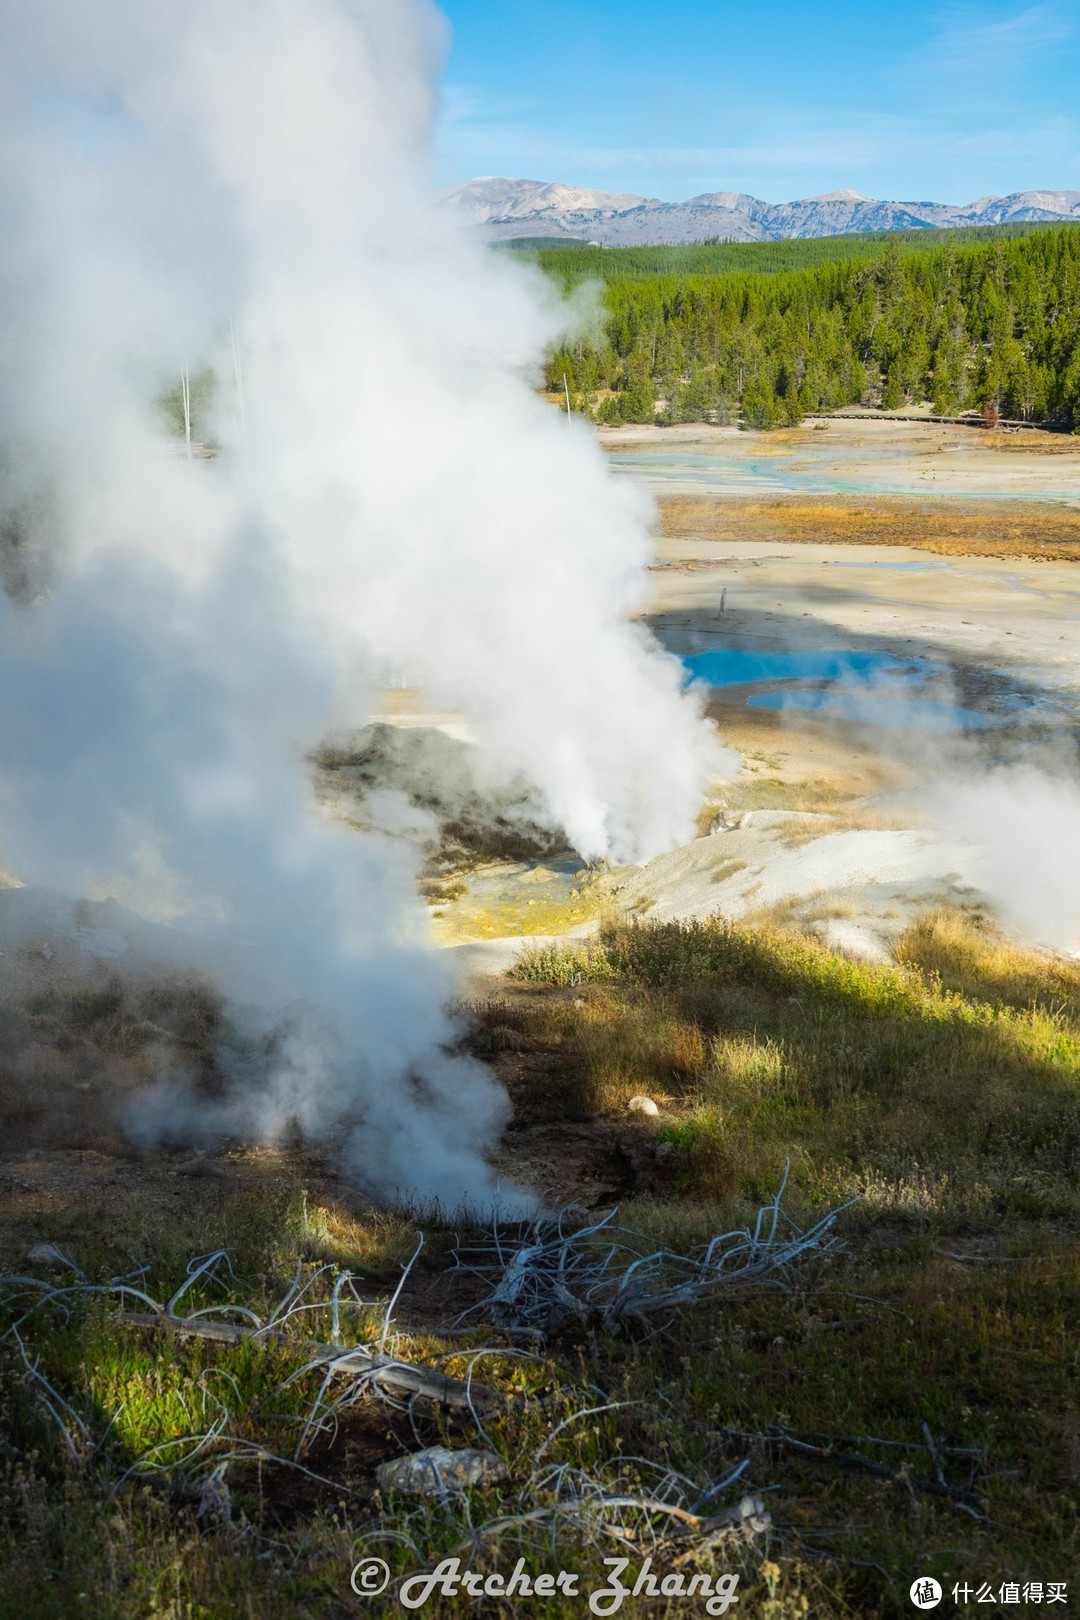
<point x="954" y="323"/>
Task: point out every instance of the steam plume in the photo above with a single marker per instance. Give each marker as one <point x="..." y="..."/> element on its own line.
<point x="1024" y="824"/>
<point x="389" y="493"/>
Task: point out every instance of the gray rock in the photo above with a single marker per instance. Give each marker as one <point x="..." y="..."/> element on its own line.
<point x="214" y="1510"/>
<point x="439" y="1471"/>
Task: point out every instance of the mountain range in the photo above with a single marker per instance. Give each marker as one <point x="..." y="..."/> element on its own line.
<point x="501" y="209"/>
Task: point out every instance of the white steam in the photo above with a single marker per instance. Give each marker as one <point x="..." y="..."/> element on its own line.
<point x="1023" y="824"/>
<point x="389" y="493"/>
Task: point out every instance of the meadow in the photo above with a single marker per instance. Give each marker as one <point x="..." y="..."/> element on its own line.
<point x="1049" y="532"/>
<point x="900" y="1401"/>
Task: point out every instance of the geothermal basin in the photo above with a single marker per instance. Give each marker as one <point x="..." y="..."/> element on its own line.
<point x="865" y="688"/>
<point x="853" y="677"/>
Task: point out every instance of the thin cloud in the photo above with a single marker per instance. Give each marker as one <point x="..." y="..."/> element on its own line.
<point x="973" y="48"/>
<point x="803" y="161"/>
<point x="801" y="150"/>
<point x="464" y="104"/>
<point x="970" y="125"/>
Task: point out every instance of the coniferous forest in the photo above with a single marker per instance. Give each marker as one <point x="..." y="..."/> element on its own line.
<point x="732" y="332"/>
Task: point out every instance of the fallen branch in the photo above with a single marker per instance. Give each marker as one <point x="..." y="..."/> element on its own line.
<point x="394" y="1379"/>
<point x="402" y="1380"/>
<point x="640" y="1504"/>
<point x="747" y="1518"/>
<point x="856" y="1461"/>
<point x="995" y="1259"/>
<point x="555" y="1279"/>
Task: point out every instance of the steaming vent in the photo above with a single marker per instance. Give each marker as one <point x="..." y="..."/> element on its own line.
<point x="216" y="229"/>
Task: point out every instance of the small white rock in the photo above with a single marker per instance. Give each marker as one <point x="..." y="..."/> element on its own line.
<point x="438" y="1471"/>
<point x="641" y="1105"/>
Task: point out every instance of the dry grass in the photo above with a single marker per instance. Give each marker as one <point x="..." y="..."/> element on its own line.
<point x="71" y="1058"/>
<point x="851" y="818"/>
<point x="921" y="436"/>
<point x="799" y="911"/>
<point x="945" y="1092"/>
<point x="772" y="793"/>
<point x="858" y="1070"/>
<point x="829" y="809"/>
<point x="966" y="953"/>
<point x="1038" y="530"/>
<point x="1031" y="442"/>
<point x="727" y="869"/>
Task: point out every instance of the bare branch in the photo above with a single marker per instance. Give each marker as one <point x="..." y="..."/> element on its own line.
<point x="556" y="1279"/>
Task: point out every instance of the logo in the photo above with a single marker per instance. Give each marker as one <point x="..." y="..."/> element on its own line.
<point x="370" y="1577"/>
<point x="926" y="1592"/>
<point x="449" y="1579"/>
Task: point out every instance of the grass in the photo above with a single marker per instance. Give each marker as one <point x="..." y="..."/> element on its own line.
<point x="849" y="818"/>
<point x="822" y="808"/>
<point x="967" y="955"/>
<point x="752" y="792"/>
<point x="772" y="793"/>
<point x="945" y="1094"/>
<point x="70" y="1059"/>
<point x="942" y="1091"/>
<point x="76" y="1542"/>
<point x="872" y="1079"/>
<point x="728" y="869"/>
<point x="1044" y="531"/>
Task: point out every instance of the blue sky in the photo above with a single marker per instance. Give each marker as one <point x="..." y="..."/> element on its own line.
<point x="943" y="101"/>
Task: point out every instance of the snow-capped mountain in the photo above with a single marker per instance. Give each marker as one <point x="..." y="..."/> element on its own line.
<point x="502" y="208"/>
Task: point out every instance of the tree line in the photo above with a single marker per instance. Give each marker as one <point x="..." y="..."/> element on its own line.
<point x="590" y="262"/>
<point x="958" y="324"/>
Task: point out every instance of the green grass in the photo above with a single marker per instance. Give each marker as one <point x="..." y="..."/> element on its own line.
<point x="942" y="1092"/>
<point x="879" y="1082"/>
